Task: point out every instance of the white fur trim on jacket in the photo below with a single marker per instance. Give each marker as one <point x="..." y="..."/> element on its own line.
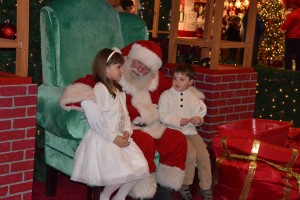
<point x="197" y="92"/>
<point x="154" y="83"/>
<point x="145" y="188"/>
<point x="76" y="93"/>
<point x="171" y="177"/>
<point x="141" y="100"/>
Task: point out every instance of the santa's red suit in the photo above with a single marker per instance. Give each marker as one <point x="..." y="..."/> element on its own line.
<point x="149" y="134"/>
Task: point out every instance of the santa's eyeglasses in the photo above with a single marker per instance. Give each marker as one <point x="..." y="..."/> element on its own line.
<point x="142" y="67"/>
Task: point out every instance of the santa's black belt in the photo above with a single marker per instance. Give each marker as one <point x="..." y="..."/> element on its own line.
<point x="140" y="125"/>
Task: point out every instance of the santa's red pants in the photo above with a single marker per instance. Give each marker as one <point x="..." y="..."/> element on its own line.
<point x="171" y="147"/>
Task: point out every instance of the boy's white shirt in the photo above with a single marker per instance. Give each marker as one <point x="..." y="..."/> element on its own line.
<point x="171" y="113"/>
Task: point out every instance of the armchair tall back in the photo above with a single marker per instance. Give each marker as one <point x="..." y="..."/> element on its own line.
<point x="72" y="32"/>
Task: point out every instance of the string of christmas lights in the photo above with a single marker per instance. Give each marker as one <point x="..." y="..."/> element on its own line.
<point x="8" y="56"/>
<point x="271" y="49"/>
<point x="277" y="95"/>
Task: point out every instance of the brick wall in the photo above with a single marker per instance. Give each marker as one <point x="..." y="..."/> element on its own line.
<point x="17" y="139"/>
<point x="230" y="95"/>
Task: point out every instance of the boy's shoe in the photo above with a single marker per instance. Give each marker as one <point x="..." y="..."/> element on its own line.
<point x="206" y="194"/>
<point x="185" y="193"/>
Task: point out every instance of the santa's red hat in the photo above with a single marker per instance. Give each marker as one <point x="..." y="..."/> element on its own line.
<point x="146" y="51"/>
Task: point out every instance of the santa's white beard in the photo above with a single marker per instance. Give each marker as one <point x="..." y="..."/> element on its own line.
<point x="139" y="87"/>
<point x="133" y="80"/>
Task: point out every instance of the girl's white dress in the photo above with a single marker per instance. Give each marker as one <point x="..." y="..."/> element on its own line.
<point x="98" y="161"/>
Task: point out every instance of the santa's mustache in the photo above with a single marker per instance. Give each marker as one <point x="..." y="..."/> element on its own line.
<point x="136" y="72"/>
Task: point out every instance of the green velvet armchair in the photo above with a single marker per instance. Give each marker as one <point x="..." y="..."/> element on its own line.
<point x="72" y="32"/>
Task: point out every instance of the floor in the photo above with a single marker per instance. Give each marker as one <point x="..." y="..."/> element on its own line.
<point x="69" y="190"/>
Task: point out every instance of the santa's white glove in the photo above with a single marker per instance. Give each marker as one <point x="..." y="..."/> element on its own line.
<point x="137" y="121"/>
<point x="149" y="113"/>
<point x="93" y="115"/>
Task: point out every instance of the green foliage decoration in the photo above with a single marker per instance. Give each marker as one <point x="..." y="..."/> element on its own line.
<point x="278" y="95"/>
<point x="8" y="56"/>
<point x="146" y="11"/>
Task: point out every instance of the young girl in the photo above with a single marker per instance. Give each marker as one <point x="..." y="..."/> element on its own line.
<point x="109" y="157"/>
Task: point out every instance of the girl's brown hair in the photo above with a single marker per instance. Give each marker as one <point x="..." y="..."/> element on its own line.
<point x="100" y="63"/>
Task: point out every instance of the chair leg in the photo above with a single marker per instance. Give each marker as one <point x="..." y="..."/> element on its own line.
<point x="51" y="181"/>
<point x="93" y="193"/>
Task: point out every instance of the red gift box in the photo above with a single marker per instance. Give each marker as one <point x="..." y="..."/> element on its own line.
<point x="294" y="138"/>
<point x="270" y="131"/>
<point x="251" y="169"/>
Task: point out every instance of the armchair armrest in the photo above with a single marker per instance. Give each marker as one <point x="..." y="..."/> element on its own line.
<point x="70" y="125"/>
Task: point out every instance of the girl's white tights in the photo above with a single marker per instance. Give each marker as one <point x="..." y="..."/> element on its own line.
<point x="124" y="189"/>
<point x="108" y="190"/>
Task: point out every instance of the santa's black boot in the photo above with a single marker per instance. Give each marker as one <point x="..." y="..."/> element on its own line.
<point x="143" y="199"/>
<point x="164" y="193"/>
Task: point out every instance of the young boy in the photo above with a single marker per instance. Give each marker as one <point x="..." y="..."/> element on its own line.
<point x="180" y="109"/>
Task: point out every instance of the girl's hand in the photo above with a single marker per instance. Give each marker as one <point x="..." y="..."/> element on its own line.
<point x="121" y="141"/>
<point x="196" y="120"/>
<point x="126" y="135"/>
<point x="184" y="121"/>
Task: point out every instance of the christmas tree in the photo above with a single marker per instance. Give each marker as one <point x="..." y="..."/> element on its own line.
<point x="8" y="56"/>
<point x="7" y="17"/>
<point x="8" y="60"/>
<point x="146" y="12"/>
<point x="271" y="49"/>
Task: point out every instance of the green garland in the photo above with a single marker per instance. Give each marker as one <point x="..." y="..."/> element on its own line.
<point x="8" y="56"/>
<point x="278" y="95"/>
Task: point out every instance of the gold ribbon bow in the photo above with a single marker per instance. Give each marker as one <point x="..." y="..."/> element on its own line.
<point x="252" y="167"/>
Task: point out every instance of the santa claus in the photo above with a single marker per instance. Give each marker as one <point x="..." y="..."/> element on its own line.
<point x="143" y="84"/>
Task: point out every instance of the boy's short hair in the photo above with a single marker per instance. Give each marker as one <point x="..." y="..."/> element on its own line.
<point x="186" y="69"/>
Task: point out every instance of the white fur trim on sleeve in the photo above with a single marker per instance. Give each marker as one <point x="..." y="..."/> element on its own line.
<point x="76" y="93"/>
<point x="197" y="92"/>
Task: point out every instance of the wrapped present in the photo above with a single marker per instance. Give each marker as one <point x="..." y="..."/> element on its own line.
<point x="270" y="131"/>
<point x="251" y="169"/>
<point x="294" y="138"/>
